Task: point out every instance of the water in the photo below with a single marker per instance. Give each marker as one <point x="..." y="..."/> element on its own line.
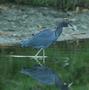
<point x="69" y="59"/>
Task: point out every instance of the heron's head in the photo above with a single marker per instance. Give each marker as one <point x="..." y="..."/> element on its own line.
<point x="66" y="23"/>
<point x="65" y="87"/>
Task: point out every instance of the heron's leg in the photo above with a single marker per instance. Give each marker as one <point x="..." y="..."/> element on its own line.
<point x="39" y="52"/>
<point x="38" y="61"/>
<point x="43" y="56"/>
<point x="37" y="58"/>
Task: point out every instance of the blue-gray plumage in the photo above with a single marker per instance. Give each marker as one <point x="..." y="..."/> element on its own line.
<point x="45" y="75"/>
<point x="40" y="40"/>
<point x="45" y="38"/>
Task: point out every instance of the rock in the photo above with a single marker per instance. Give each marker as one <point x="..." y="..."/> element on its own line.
<point x="16" y="22"/>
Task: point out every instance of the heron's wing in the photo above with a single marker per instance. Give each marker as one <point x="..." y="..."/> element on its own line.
<point x="43" y="38"/>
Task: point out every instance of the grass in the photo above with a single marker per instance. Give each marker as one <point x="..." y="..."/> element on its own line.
<point x="77" y="71"/>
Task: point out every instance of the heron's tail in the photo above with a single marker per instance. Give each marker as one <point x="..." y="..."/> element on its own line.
<point x="25" y="42"/>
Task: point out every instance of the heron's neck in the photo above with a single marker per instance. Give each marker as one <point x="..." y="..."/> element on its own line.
<point x="58" y="82"/>
<point x="58" y="30"/>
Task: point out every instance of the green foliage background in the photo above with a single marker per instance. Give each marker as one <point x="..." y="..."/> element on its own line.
<point x="60" y="4"/>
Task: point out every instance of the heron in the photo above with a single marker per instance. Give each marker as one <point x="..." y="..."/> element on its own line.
<point x="46" y="76"/>
<point x="45" y="38"/>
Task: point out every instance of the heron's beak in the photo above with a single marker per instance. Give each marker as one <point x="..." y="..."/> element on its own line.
<point x="70" y="84"/>
<point x="72" y="27"/>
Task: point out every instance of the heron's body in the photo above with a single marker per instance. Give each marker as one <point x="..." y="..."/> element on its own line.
<point x="43" y="39"/>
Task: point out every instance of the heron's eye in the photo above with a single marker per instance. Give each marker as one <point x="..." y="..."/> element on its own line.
<point x="65" y="24"/>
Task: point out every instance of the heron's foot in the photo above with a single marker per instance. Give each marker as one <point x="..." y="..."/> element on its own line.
<point x="37" y="60"/>
<point x="40" y="63"/>
<point x="37" y="57"/>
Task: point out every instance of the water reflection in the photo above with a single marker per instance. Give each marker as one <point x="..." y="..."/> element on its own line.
<point x="66" y="58"/>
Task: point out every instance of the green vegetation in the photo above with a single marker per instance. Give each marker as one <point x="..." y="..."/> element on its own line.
<point x="77" y="71"/>
<point x="60" y="4"/>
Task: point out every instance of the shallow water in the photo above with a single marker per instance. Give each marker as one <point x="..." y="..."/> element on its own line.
<point x="69" y="59"/>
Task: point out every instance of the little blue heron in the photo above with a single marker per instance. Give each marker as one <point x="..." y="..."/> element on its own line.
<point x="45" y="38"/>
<point x="45" y="76"/>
